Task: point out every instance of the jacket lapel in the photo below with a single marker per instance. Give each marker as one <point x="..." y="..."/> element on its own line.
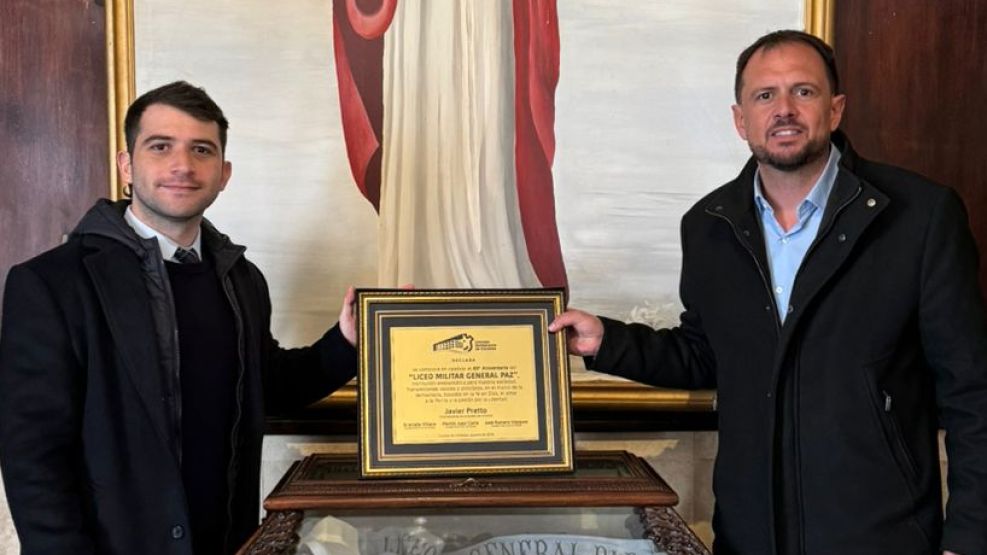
<point x="735" y="204"/>
<point x="124" y="299"/>
<point x="853" y="206"/>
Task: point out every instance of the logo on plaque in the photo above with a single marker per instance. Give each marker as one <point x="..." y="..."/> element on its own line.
<point x="462" y="343"/>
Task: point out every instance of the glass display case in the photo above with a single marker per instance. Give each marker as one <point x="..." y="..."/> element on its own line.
<point x="612" y="504"/>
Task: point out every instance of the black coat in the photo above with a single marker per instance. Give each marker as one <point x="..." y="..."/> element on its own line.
<point x="828" y="423"/>
<point x="90" y="402"/>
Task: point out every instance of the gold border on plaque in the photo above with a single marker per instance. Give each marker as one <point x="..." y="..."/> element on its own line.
<point x="542" y="443"/>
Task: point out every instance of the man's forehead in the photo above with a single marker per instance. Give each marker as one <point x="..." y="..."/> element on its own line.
<point x="787" y="60"/>
<point x="165" y="119"/>
<point x="790" y="55"/>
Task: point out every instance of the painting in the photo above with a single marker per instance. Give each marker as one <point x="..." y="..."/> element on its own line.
<point x="639" y="129"/>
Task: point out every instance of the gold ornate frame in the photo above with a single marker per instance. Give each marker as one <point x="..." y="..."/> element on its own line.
<point x="120" y="79"/>
<point x="586" y="394"/>
<point x="529" y="432"/>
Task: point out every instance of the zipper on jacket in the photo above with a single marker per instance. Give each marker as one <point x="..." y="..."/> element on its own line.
<point x="777" y="322"/>
<point x="175" y="373"/>
<point x="177" y="384"/>
<point x="911" y="469"/>
<point x="882" y="403"/>
<point x="760" y="270"/>
<point x="235" y="428"/>
<point x="777" y="317"/>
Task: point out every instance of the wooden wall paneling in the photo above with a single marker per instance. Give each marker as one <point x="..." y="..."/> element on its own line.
<point x="915" y="74"/>
<point x="53" y="117"/>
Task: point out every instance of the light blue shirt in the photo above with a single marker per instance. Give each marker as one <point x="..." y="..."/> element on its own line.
<point x="786" y="249"/>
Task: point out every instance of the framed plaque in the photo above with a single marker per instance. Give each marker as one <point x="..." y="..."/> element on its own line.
<point x="462" y="382"/>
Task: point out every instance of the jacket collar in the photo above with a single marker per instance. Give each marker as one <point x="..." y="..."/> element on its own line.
<point x="105" y="219"/>
<point x="853" y="204"/>
<point x="131" y="305"/>
<point x="224" y="251"/>
<point x="735" y="200"/>
<point x="852" y="207"/>
<point x="136" y="298"/>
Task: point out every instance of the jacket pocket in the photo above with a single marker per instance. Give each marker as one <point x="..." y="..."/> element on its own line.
<point x="882" y="404"/>
<point x="899" y="440"/>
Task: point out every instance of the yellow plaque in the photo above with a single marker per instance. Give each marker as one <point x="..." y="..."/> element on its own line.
<point x="445" y="385"/>
<point x="462" y="382"/>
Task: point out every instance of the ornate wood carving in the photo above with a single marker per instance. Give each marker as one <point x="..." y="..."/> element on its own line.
<point x="277" y="534"/>
<point x="332" y="482"/>
<point x="669" y="532"/>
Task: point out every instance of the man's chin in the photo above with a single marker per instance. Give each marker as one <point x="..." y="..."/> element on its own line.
<point x="178" y="215"/>
<point x="183" y="216"/>
<point x="788" y="162"/>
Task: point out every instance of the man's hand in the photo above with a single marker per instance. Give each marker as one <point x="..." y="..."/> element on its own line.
<point x="347" y="314"/>
<point x="347" y="317"/>
<point x="585" y="331"/>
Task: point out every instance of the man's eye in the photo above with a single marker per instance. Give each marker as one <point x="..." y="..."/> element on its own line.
<point x="804" y="92"/>
<point x="204" y="149"/>
<point x="158" y="147"/>
<point x="764" y="96"/>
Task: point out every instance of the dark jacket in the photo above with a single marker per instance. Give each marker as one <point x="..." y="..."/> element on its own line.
<point x="828" y="423"/>
<point x="90" y="407"/>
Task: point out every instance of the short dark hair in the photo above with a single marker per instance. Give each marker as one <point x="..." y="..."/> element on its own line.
<point x="787" y="36"/>
<point x="180" y="95"/>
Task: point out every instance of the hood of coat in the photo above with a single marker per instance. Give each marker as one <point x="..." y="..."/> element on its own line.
<point x="105" y="219"/>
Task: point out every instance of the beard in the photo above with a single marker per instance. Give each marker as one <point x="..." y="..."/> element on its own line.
<point x="812" y="151"/>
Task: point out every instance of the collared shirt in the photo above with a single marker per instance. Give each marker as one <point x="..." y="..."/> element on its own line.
<point x="167" y="246"/>
<point x="786" y="249"/>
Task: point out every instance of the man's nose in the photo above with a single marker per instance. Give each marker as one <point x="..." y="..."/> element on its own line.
<point x="181" y="161"/>
<point x="785" y="107"/>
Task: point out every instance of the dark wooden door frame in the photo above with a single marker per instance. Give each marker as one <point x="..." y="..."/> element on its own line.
<point x="53" y="114"/>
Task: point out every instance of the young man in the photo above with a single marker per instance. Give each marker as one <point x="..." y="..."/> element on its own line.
<point x="136" y="360"/>
<point x="833" y="303"/>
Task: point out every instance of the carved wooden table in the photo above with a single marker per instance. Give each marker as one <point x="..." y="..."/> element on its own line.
<point x="610" y="493"/>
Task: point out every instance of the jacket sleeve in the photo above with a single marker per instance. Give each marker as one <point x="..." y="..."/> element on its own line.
<point x="294" y="378"/>
<point x="41" y="400"/>
<point x="298" y="377"/>
<point x="677" y="357"/>
<point x="954" y="339"/>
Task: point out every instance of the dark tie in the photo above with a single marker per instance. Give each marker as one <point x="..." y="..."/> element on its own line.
<point x="186" y="256"/>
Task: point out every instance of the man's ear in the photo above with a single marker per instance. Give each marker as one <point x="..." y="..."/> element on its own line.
<point x="125" y="166"/>
<point x="837" y="105"/>
<point x="227" y="173"/>
<point x="738" y="121"/>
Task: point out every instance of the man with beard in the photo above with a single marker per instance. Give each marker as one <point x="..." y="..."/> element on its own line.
<point x="137" y="363"/>
<point x="833" y="303"/>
